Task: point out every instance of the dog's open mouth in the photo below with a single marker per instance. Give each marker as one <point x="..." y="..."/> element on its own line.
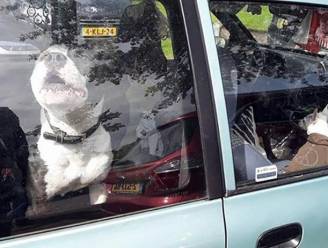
<point x="56" y="85"/>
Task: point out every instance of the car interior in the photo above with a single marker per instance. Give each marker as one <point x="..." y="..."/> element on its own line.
<point x="270" y="89"/>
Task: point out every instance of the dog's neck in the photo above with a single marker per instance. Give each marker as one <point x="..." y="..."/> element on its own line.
<point x="319" y="126"/>
<point x="73" y="123"/>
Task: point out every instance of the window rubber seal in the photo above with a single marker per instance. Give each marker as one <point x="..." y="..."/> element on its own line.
<point x="204" y="99"/>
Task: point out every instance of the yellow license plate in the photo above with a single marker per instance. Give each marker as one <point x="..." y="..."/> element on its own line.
<point x="130" y="188"/>
<point x="99" y="31"/>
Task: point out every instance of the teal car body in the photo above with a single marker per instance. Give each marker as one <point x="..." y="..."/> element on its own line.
<point x="229" y="217"/>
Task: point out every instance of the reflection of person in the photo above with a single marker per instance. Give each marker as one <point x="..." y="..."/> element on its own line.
<point x="13" y="169"/>
<point x="150" y="138"/>
<point x="321" y="34"/>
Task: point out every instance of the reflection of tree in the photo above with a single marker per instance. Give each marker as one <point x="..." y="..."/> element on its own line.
<point x="64" y="28"/>
<point x="139" y="31"/>
<point x="283" y="83"/>
<point x="176" y="84"/>
<point x="10" y="7"/>
<point x="292" y="20"/>
<point x="141" y="28"/>
<point x="31" y="35"/>
<point x="31" y="11"/>
<point x="106" y="119"/>
<point x="255" y="62"/>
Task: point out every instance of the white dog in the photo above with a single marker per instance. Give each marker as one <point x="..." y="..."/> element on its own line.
<point x="75" y="148"/>
<point x="317" y="122"/>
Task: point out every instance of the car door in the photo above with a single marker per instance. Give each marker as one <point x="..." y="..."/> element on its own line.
<point x="275" y="172"/>
<point x="113" y="89"/>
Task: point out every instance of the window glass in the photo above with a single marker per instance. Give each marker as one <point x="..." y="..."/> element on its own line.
<point x="98" y="115"/>
<point x="274" y="70"/>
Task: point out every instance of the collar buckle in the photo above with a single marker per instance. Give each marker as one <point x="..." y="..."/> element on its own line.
<point x="84" y="136"/>
<point x="60" y="136"/>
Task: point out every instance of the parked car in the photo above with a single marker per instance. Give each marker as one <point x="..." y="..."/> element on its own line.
<point x="18" y="48"/>
<point x="139" y="181"/>
<point x="184" y="123"/>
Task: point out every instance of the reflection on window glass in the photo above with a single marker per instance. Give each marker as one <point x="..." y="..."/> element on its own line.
<point x="273" y="67"/>
<point x="98" y="114"/>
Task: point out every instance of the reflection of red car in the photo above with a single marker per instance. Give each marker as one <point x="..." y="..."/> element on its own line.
<point x="317" y="34"/>
<point x="140" y="180"/>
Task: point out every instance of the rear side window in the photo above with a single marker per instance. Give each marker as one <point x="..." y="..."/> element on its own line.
<point x="98" y="115"/>
<point x="273" y="60"/>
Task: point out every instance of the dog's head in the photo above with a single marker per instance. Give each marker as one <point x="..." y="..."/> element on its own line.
<point x="319" y="123"/>
<point x="58" y="81"/>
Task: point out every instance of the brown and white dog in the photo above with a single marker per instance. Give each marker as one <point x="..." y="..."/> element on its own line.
<point x="75" y="148"/>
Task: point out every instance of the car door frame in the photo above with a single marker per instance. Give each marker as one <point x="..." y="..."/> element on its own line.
<point x="226" y="158"/>
<point x="206" y="97"/>
<point x="245" y="203"/>
<point x="212" y="155"/>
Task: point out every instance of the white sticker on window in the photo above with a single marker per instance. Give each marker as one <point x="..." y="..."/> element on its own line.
<point x="266" y="173"/>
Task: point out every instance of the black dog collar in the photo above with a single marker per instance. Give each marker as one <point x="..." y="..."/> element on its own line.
<point x="63" y="138"/>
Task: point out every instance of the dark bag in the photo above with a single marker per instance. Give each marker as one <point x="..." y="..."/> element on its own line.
<point x="12" y="193"/>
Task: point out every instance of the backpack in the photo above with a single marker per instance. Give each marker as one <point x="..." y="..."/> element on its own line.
<point x="12" y="194"/>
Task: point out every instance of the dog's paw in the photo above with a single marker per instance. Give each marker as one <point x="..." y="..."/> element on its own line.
<point x="96" y="169"/>
<point x="97" y="194"/>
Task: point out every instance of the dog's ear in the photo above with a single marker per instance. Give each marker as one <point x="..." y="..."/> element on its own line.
<point x="324" y="114"/>
<point x="314" y="114"/>
<point x="97" y="111"/>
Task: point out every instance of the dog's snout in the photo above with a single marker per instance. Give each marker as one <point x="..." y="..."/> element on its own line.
<point x="55" y="59"/>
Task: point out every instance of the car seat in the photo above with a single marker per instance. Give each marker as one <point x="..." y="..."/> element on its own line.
<point x="249" y="155"/>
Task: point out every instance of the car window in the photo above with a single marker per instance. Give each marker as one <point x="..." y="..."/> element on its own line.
<point x="273" y="68"/>
<point x="98" y="113"/>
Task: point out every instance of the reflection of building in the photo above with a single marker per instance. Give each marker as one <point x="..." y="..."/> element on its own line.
<point x="17" y="48"/>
